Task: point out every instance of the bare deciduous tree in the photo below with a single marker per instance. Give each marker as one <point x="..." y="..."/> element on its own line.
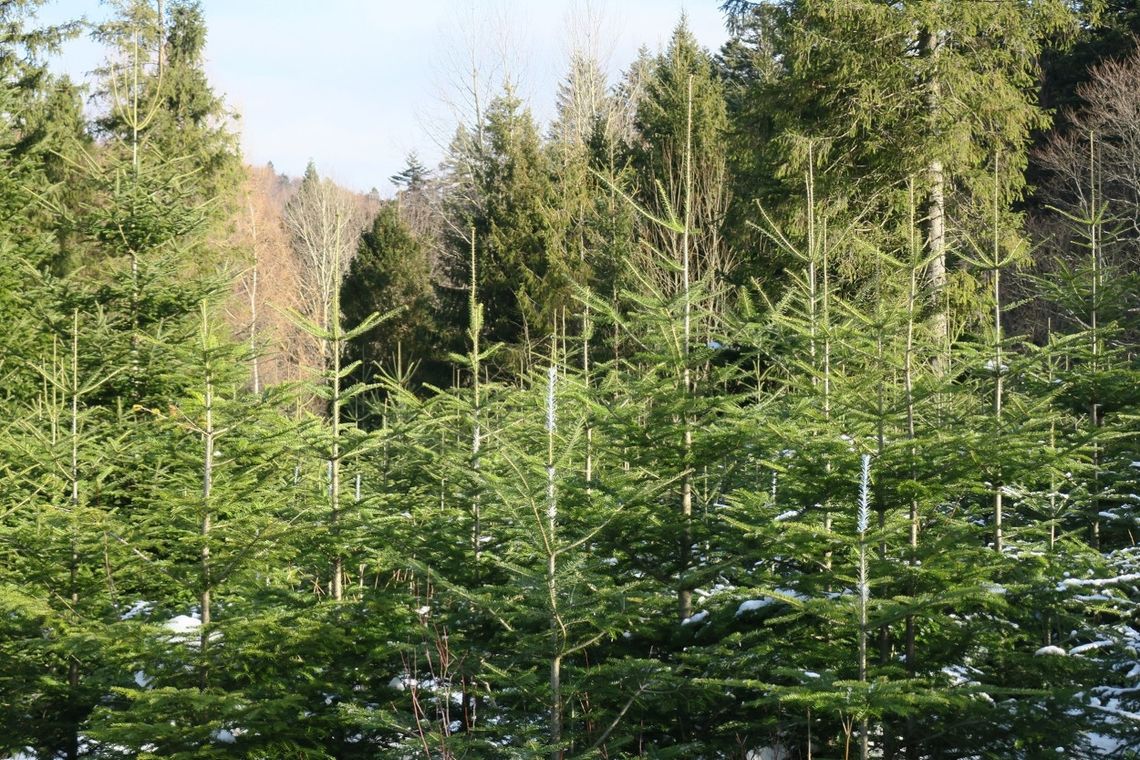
<point x="324" y="222"/>
<point x="270" y="285"/>
<point x="1093" y="175"/>
<point x="1110" y="118"/>
<point x="584" y="101"/>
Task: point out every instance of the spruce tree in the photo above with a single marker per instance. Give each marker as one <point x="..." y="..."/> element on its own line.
<point x="391" y="270"/>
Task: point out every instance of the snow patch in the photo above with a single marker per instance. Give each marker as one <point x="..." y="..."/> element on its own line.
<point x="700" y="617"/>
<point x="137" y="609"/>
<point x="749" y="605"/>
<point x="184" y="629"/>
<point x="783" y="594"/>
<point x="224" y="736"/>
<point x="1090" y="646"/>
<point x="1097" y="582"/>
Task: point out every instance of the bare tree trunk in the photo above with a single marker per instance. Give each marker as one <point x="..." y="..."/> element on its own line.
<point x="135" y="124"/>
<point x="1048" y="638"/>
<point x="1094" y="320"/>
<point x="999" y="374"/>
<point x="161" y="39"/>
<point x="816" y="314"/>
<point x="864" y="590"/>
<point x="684" y="594"/>
<point x="324" y="223"/>
<point x="809" y="743"/>
<point x="475" y="327"/>
<point x="908" y="387"/>
<point x="936" y="215"/>
<point x="586" y="329"/>
<point x="556" y="632"/>
<point x="208" y="437"/>
<point x="334" y="460"/>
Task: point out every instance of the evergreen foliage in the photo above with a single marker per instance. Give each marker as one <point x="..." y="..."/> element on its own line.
<point x="663" y="435"/>
<point x="390" y="271"/>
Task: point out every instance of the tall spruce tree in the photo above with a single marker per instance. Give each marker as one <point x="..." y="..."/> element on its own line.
<point x="520" y="272"/>
<point x="886" y="92"/>
<point x="391" y="270"/>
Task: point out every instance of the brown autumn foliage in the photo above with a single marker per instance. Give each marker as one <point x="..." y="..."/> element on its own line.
<point x="270" y="284"/>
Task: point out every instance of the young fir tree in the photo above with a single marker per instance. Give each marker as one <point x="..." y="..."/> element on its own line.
<point x="159" y="99"/>
<point x="1092" y="384"/>
<point x="413" y="177"/>
<point x="679" y="153"/>
<point x="60" y="584"/>
<point x="664" y="443"/>
<point x="147" y="221"/>
<point x="207" y="533"/>
<point x="39" y="134"/>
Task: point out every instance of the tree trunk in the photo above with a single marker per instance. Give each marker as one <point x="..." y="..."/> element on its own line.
<point x="256" y="370"/>
<point x="912" y="745"/>
<point x="208" y="436"/>
<point x="684" y="594"/>
<point x="337" y="586"/>
<point x="556" y="631"/>
<point x="936" y="214"/>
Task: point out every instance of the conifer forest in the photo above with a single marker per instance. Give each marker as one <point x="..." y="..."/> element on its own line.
<point x="771" y="402"/>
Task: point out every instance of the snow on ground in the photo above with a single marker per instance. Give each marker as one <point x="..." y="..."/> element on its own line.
<point x="1104" y="744"/>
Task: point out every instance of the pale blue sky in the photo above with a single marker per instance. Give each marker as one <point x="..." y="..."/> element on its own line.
<point x="356" y="84"/>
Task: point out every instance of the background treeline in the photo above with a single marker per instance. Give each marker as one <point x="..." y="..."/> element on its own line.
<point x="774" y="402"/>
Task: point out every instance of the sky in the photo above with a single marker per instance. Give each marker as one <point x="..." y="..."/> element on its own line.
<point x="355" y="85"/>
